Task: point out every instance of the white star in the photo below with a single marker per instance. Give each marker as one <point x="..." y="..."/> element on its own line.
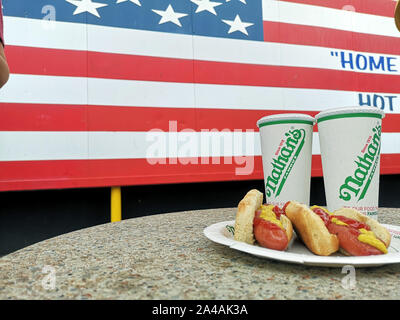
<point x="242" y="1"/>
<point x="133" y="1"/>
<point x="238" y="25"/>
<point x="206" y="5"/>
<point x="86" y="6"/>
<point x="170" y="15"/>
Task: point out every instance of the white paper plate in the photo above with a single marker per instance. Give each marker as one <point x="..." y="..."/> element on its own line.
<point x="298" y="253"/>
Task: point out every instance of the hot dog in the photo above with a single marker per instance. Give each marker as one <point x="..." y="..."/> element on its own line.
<point x="311" y="229"/>
<point x="265" y="224"/>
<point x="358" y="234"/>
<point x="345" y="229"/>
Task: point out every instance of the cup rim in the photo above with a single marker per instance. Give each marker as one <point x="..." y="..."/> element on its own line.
<point x="283" y="118"/>
<point x="347" y="112"/>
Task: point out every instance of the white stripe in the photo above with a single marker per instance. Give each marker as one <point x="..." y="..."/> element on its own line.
<point x="140" y="42"/>
<point x="390" y="142"/>
<point x="24" y="146"/>
<point x="305" y="14"/>
<point x="43" y="145"/>
<point x="45" y="33"/>
<point x="140" y="93"/>
<point x="130" y="93"/>
<point x="44" y="89"/>
<point x="290" y="55"/>
<point x="270" y="98"/>
<point x="168" y="45"/>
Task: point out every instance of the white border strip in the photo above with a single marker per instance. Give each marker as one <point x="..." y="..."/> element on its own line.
<point x="317" y="16"/>
<point x="130" y="93"/>
<point x="37" y="145"/>
<point x="30" y="32"/>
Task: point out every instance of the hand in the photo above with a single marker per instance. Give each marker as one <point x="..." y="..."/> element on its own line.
<point x="4" y="71"/>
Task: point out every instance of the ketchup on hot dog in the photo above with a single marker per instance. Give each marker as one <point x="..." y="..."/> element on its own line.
<point x="268" y="229"/>
<point x="354" y="236"/>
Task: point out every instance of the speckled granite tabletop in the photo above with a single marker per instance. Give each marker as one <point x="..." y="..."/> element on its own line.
<point x="166" y="257"/>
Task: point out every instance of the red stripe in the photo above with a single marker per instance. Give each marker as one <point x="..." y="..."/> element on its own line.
<point x="131" y="67"/>
<point x="45" y="61"/>
<point x="36" y="117"/>
<point x="294" y="77"/>
<point x="286" y="77"/>
<point x="376" y="7"/>
<point x="43" y="117"/>
<point x="57" y="62"/>
<point x="330" y="38"/>
<point x="95" y="173"/>
<point x="30" y="175"/>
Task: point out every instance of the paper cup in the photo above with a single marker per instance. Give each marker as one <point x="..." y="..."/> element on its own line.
<point x="286" y="142"/>
<point x="350" y="143"/>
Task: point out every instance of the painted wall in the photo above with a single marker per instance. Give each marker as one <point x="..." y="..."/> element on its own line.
<point x="139" y="92"/>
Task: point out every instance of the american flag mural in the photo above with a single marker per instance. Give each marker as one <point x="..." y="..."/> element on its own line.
<point x="91" y="78"/>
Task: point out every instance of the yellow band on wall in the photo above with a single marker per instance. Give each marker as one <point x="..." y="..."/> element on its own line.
<point x="115" y="204"/>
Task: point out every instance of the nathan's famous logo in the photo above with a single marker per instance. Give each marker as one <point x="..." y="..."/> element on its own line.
<point x="357" y="185"/>
<point x="286" y="158"/>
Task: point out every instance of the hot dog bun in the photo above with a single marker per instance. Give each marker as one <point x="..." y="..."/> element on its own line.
<point x="380" y="231"/>
<point x="311" y="229"/>
<point x="288" y="227"/>
<point x="245" y="216"/>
